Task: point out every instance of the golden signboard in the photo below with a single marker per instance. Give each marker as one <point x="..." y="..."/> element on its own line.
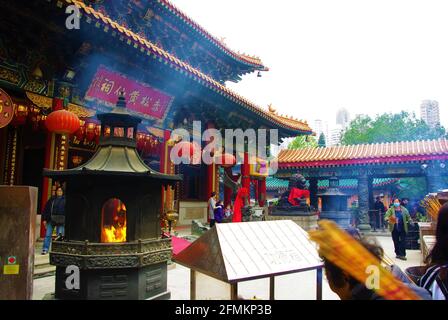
<point x="259" y="168"/>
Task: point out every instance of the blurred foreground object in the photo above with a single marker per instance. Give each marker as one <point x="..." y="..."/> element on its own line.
<point x="432" y="206"/>
<point x="347" y="253"/>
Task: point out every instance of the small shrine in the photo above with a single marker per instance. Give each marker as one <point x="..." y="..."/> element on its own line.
<point x="113" y="208"/>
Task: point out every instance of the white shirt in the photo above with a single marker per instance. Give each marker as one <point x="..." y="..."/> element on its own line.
<point x="211" y="208"/>
<point x="437" y="293"/>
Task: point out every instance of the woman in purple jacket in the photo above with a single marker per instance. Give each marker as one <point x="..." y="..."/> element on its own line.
<point x="219" y="212"/>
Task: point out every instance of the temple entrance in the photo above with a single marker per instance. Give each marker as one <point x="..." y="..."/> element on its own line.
<point x="33" y="162"/>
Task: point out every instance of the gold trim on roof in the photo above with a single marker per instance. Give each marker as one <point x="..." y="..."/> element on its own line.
<point x="42" y="102"/>
<point x="45" y="102"/>
<point x="81" y="111"/>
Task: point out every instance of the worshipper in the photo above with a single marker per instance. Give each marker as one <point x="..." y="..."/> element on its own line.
<point x="398" y="219"/>
<point x="240" y="202"/>
<point x="211" y="208"/>
<point x="53" y="216"/>
<point x="405" y="203"/>
<point x="381" y="209"/>
<point x="435" y="280"/>
<point x="219" y="212"/>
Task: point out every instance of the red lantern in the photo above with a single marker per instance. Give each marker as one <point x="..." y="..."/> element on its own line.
<point x="34" y="117"/>
<point x="62" y="122"/>
<point x="79" y="134"/>
<point x="20" y="115"/>
<point x="42" y="120"/>
<point x="225" y="160"/>
<point x="140" y="141"/>
<point x="157" y="148"/>
<point x="148" y="144"/>
<point x="97" y="133"/>
<point x="90" y="131"/>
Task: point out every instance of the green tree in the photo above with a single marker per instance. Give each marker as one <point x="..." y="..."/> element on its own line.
<point x="322" y="141"/>
<point x="301" y="142"/>
<point x="389" y="127"/>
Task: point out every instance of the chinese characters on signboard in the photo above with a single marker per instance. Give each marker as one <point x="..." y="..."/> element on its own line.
<point x="107" y="85"/>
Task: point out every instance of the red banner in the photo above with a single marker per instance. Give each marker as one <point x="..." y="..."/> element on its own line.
<point x="107" y="85"/>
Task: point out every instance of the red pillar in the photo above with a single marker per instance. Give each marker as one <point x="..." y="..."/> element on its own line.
<point x="46" y="187"/>
<point x="255" y="184"/>
<point x="262" y="192"/>
<point x="228" y="191"/>
<point x="245" y="173"/>
<point x="227" y="196"/>
<point x="58" y="104"/>
<point x="211" y="172"/>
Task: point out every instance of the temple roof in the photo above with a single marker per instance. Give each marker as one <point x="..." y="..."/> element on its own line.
<point x="378" y="153"/>
<point x="152" y="51"/>
<point x="114" y="161"/>
<point x="255" y="61"/>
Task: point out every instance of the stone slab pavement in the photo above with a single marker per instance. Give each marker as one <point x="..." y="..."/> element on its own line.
<point x="299" y="286"/>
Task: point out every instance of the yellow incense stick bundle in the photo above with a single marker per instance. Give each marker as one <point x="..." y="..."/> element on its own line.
<point x="432" y="206"/>
<point x="351" y="256"/>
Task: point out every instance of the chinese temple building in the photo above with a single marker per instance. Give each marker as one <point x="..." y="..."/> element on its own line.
<point x="81" y="55"/>
<point x="365" y="163"/>
<point x="383" y="186"/>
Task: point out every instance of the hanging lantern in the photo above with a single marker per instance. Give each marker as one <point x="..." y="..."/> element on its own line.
<point x="20" y="114"/>
<point x="147" y="147"/>
<point x="97" y="133"/>
<point x="90" y="131"/>
<point x="225" y="160"/>
<point x="42" y="120"/>
<point x="107" y="131"/>
<point x="62" y="122"/>
<point x="80" y="133"/>
<point x="77" y="160"/>
<point x="140" y="141"/>
<point x="157" y="148"/>
<point x="33" y="117"/>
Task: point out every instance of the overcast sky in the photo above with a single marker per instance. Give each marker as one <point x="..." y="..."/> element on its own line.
<point x="367" y="56"/>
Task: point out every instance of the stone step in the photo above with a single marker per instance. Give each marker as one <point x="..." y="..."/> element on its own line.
<point x="45" y="271"/>
<point x="40" y="260"/>
<point x="376" y="233"/>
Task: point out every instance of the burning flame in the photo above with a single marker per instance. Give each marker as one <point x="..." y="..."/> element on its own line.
<point x="114" y="234"/>
<point x="115" y="228"/>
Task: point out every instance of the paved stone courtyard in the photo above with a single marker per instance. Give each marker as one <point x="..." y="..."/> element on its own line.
<point x="301" y="286"/>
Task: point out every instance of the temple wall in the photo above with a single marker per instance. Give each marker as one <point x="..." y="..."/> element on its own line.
<point x="192" y="210"/>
